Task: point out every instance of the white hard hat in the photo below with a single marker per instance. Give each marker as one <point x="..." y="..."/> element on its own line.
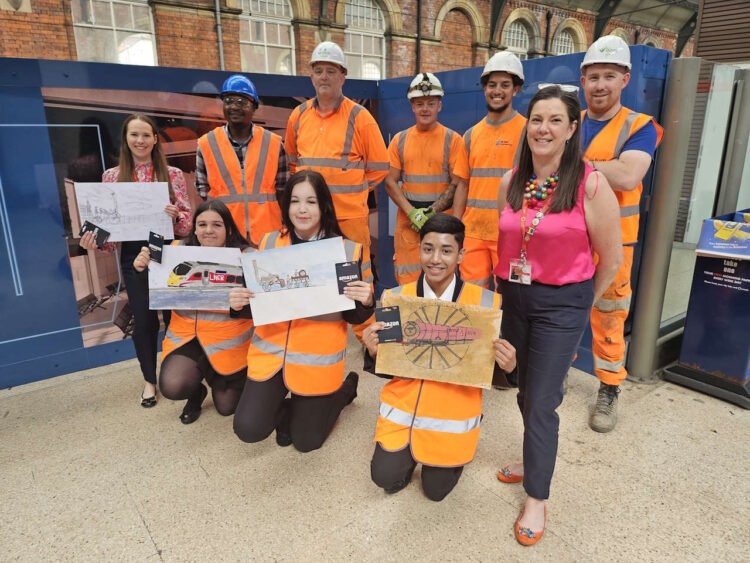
<point x="504" y="61"/>
<point x="609" y="49"/>
<point x="328" y="52"/>
<point x="425" y="84"/>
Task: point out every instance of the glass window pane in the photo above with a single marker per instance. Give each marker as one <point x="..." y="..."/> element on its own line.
<point x="356" y="43"/>
<point x="377" y="45"/>
<point x="285" y="35"/>
<point x="258" y="34"/>
<point x="272" y="33"/>
<point x="102" y="14"/>
<point x="244" y="31"/>
<point x="95" y="44"/>
<point x="81" y="11"/>
<point x="253" y="58"/>
<point x="122" y="16"/>
<point x="142" y="18"/>
<point x="354" y="66"/>
<point x="279" y="60"/>
<point x="135" y="49"/>
<point x="371" y="70"/>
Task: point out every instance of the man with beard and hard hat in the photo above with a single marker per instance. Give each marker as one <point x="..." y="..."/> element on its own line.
<point x="491" y="145"/>
<point x="341" y="140"/>
<point x="243" y="164"/>
<point x="429" y="161"/>
<point x="619" y="143"/>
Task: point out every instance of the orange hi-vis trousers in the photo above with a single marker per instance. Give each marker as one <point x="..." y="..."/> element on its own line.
<point x="480" y="259"/>
<point x="608" y="325"/>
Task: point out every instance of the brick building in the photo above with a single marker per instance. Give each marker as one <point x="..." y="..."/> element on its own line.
<point x="380" y="36"/>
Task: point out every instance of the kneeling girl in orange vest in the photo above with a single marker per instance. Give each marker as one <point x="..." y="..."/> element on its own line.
<point x="303" y="356"/>
<point x="206" y="345"/>
<point x="428" y="422"/>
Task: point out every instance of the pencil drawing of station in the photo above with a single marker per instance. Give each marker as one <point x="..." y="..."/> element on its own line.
<point x="271" y="281"/>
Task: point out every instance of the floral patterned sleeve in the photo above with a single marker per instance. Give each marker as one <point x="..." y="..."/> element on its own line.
<point x="184" y="222"/>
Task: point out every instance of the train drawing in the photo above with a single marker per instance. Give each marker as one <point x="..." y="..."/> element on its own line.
<point x="207" y="275"/>
<point x="271" y="281"/>
<point x="429" y="334"/>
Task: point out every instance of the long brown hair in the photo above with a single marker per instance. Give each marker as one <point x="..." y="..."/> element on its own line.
<point x="571" y="164"/>
<point x="328" y="222"/>
<point x="158" y="160"/>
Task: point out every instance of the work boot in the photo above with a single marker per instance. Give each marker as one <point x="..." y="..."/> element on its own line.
<point x="351" y="382"/>
<point x="604" y="416"/>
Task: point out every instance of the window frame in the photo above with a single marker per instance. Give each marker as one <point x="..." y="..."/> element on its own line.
<point x="353" y="29"/>
<point x="247" y="17"/>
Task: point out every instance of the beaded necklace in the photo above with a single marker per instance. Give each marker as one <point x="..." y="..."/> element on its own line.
<point x="532" y="198"/>
<point x="535" y="194"/>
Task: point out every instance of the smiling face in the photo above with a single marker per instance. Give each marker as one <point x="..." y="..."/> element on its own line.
<point x="439" y="256"/>
<point x="210" y="229"/>
<point x="499" y="91"/>
<point x="602" y="86"/>
<point x="238" y="110"/>
<point x="549" y="127"/>
<point x="304" y="210"/>
<point x="328" y="80"/>
<point x="426" y="110"/>
<point x="141" y="140"/>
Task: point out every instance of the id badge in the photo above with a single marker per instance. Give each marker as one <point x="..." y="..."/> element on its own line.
<point x="520" y="272"/>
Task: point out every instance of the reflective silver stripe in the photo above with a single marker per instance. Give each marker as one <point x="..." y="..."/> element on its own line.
<point x="350" y="247"/>
<point x="266" y="346"/>
<point x="630" y="210"/>
<point x="260" y="198"/>
<point x="624" y="134"/>
<point x="403" y="418"/>
<point x="487" y="172"/>
<point x="262" y="159"/>
<point x="366" y="266"/>
<point x="185" y="313"/>
<point x="350" y="133"/>
<point x="408" y="268"/>
<point x="517" y="155"/>
<point x="229" y="343"/>
<point x="339" y="189"/>
<point x="331" y="163"/>
<point x="481" y="203"/>
<point x="607" y="366"/>
<point x="609" y="305"/>
<point x="425" y="178"/>
<point x="315" y="359"/>
<point x="400" y="146"/>
<point x="213" y="142"/>
<point x="177" y="341"/>
<point x="467" y="140"/>
<point x="213" y="317"/>
<point x="480" y="282"/>
<point x="302" y="108"/>
<point x="271" y="240"/>
<point x="487" y="299"/>
<point x="378" y="165"/>
<point x="421" y="197"/>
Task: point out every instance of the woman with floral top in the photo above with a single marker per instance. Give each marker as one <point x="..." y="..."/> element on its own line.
<point x="142" y="160"/>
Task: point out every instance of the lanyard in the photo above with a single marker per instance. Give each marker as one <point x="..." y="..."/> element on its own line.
<point x="526" y="234"/>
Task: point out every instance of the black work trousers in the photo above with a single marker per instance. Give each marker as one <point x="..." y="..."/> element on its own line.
<point x="545" y="324"/>
<point x="392" y="471"/>
<point x="308" y="420"/>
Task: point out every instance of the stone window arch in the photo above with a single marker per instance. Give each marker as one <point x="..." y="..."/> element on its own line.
<point x="364" y="39"/>
<point x="521" y="33"/>
<point x="469" y="9"/>
<point x="570" y="37"/>
<point x="266" y="37"/>
<point x="621" y="33"/>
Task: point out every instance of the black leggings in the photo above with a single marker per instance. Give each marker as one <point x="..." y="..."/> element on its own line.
<point x="309" y="420"/>
<point x="392" y="472"/>
<point x="183" y="371"/>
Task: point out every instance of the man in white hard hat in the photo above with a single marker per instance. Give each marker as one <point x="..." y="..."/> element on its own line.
<point x="620" y="143"/>
<point x="339" y="138"/>
<point x="429" y="161"/>
<point x="491" y="146"/>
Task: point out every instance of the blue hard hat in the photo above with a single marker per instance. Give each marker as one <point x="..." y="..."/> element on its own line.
<point x="238" y="84"/>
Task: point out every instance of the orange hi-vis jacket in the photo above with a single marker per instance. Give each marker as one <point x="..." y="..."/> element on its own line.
<point x="439" y="421"/>
<point x="249" y="192"/>
<point x="492" y="149"/>
<point x="346" y="147"/>
<point x="311" y="351"/>
<point x="426" y="160"/>
<point x="607" y="145"/>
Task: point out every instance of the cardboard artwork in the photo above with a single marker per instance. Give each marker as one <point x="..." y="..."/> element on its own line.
<point x="295" y="282"/>
<point x="442" y="341"/>
<point x="128" y="210"/>
<point x="194" y="277"/>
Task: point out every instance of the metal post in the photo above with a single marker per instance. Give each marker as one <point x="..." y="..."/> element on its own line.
<point x="734" y="163"/>
<point x="657" y="245"/>
<point x="219" y="33"/>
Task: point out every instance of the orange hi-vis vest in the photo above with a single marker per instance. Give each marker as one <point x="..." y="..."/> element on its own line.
<point x="492" y="149"/>
<point x="250" y="191"/>
<point x="439" y="421"/>
<point x="346" y="147"/>
<point x="311" y="351"/>
<point x="607" y="145"/>
<point x="425" y="167"/>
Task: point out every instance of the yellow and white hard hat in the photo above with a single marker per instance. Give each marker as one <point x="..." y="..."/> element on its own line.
<point x="328" y="52"/>
<point x="504" y="61"/>
<point x="425" y="84"/>
<point x="609" y="49"/>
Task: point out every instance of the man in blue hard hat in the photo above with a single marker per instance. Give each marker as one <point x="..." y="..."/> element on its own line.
<point x="243" y="164"/>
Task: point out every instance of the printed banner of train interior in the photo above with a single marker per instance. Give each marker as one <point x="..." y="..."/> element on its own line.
<point x="194" y="278"/>
<point x="442" y="341"/>
<point x="295" y="282"/>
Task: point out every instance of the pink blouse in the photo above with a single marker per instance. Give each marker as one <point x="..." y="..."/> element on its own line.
<point x="559" y="251"/>
<point x="143" y="173"/>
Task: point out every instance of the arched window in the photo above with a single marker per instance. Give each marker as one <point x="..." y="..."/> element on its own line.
<point x="564" y="43"/>
<point x="621" y="33"/>
<point x="364" y="39"/>
<point x="111" y="31"/>
<point x="517" y="38"/>
<point x="266" y="38"/>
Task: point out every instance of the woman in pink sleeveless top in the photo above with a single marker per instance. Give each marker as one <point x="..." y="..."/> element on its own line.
<point x="555" y="212"/>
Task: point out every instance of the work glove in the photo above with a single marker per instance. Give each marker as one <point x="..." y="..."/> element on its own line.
<point x="418" y="217"/>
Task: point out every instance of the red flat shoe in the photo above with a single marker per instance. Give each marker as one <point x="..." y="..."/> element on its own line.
<point x="505" y="475"/>
<point x="526" y="536"/>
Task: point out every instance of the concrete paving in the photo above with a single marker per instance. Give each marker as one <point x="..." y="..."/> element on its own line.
<point x="87" y="474"/>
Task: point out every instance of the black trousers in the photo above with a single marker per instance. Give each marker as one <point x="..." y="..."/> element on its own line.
<point x="146" y="322"/>
<point x="545" y="324"/>
<point x="392" y="472"/>
<point x="309" y="420"/>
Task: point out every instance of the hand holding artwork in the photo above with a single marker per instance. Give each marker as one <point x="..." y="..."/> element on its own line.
<point x="359" y="291"/>
<point x="88" y="241"/>
<point x="171" y="210"/>
<point x="240" y="297"/>
<point x="370" y="337"/>
<point x="505" y="354"/>
<point x="141" y="261"/>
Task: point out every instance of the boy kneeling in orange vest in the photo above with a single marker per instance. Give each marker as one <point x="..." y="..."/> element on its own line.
<point x="428" y="422"/>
